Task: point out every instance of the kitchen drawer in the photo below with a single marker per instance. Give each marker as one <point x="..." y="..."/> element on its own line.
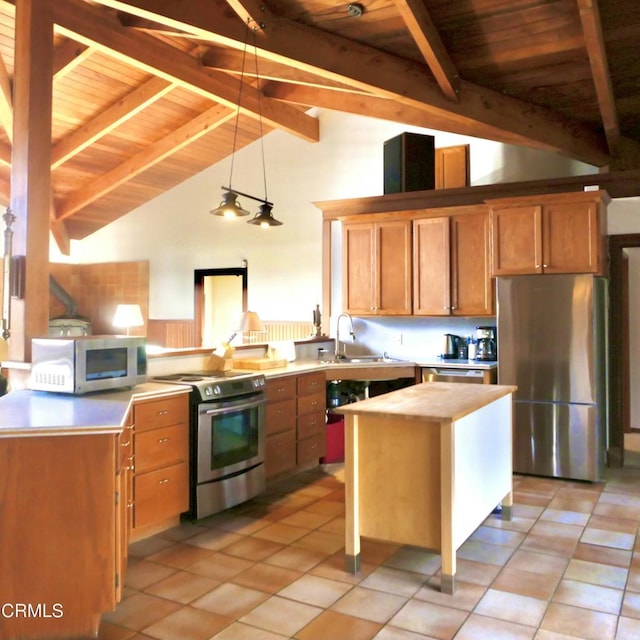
<point x="312" y="403"/>
<point x="161" y="447"/>
<point x="161" y="495"/>
<point x="311" y="424"/>
<point x="311" y="449"/>
<point x="280" y="453"/>
<point x="311" y="383"/>
<point x="281" y="388"/>
<point x="281" y="416"/>
<point x="161" y="412"/>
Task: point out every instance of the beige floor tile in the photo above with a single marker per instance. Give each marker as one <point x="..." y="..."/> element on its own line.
<point x="231" y="600"/>
<point x="535" y="562"/>
<point x="279" y="532"/>
<point x="479" y="573"/>
<point x="432" y="620"/>
<point x="589" y="596"/>
<point x="603" y="555"/>
<point x="466" y="596"/>
<point x="266" y="577"/>
<point x="215" y="539"/>
<point x="220" y="566"/>
<point x="546" y="544"/>
<point x="556" y="530"/>
<point x="526" y="583"/>
<point x="596" y="573"/>
<point x="401" y="583"/>
<point x="631" y="605"/>
<point x="326" y="508"/>
<point x="485" y="552"/>
<point x="110" y="631"/>
<point x="394" y="633"/>
<point x="148" y="546"/>
<point x="331" y="624"/>
<point x="628" y="629"/>
<point x="414" y="560"/>
<point x="307" y="519"/>
<point x="315" y="590"/>
<point x="568" y="504"/>
<point x="253" y="549"/>
<point x="183" y="531"/>
<point x="512" y="607"/>
<point x="296" y="558"/>
<point x="369" y="604"/>
<point x="140" y="611"/>
<point x="182" y="587"/>
<point x="604" y="538"/>
<point x="333" y="567"/>
<point x="180" y="555"/>
<point x="622" y="523"/>
<point x="478" y="627"/>
<point x="517" y="523"/>
<point x="493" y="535"/>
<point x="188" y="624"/>
<point x="321" y="541"/>
<point x="281" y="615"/>
<point x="241" y="631"/>
<point x="579" y="623"/>
<point x="244" y="525"/>
<point x="142" y="573"/>
<point x="565" y="516"/>
<point x="334" y="526"/>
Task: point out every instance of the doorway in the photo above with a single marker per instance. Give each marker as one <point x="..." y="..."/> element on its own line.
<point x="220" y="301"/>
<point x="619" y="345"/>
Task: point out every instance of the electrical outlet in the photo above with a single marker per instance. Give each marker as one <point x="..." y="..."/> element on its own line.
<point x="396" y="338"/>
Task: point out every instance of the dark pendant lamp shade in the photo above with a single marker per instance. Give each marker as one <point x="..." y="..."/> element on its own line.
<point x="230" y="207"/>
<point x="264" y="217"/>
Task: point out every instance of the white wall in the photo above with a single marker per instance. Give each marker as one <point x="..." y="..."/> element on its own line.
<point x="177" y="235"/>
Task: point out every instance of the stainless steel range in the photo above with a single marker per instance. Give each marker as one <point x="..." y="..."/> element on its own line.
<point x="227" y="438"/>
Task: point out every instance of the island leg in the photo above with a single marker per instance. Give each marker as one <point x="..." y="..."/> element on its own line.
<point x="507" y="504"/>
<point x="352" y="500"/>
<point x="447" y="498"/>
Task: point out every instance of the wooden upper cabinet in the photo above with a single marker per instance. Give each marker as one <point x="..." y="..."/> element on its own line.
<point x="376" y="259"/>
<point x="560" y="233"/>
<point x="451" y="264"/>
<point x="452" y="167"/>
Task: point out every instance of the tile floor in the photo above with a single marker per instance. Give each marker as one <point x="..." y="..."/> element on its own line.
<point x="567" y="566"/>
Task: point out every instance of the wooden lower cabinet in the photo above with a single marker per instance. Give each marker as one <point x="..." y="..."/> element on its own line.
<point x="161" y="453"/>
<point x="295" y="422"/>
<point x="63" y="551"/>
<point x="311" y="406"/>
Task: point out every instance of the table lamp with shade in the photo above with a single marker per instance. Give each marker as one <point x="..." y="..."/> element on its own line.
<point x="128" y="315"/>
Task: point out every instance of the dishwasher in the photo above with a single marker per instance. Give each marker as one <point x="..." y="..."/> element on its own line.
<point x="451" y="374"/>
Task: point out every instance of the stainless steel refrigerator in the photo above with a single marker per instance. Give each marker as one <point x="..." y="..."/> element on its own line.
<point x="552" y="344"/>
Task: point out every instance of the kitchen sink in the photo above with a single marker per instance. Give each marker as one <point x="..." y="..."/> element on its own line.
<point x="366" y="359"/>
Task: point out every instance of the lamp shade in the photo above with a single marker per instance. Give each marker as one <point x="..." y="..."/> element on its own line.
<point x="128" y="315"/>
<point x="251" y="322"/>
<point x="264" y="218"/>
<point x="229" y="207"/>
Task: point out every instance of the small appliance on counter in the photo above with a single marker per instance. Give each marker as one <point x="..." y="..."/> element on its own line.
<point x="486" y="347"/>
<point x="451" y="343"/>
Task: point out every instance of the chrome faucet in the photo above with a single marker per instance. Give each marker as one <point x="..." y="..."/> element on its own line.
<point x="352" y="333"/>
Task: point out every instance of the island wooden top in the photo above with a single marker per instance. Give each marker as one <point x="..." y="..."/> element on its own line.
<point x="430" y="401"/>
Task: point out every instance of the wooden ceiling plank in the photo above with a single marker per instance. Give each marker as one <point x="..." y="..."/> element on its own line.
<point x="5" y="154"/>
<point x="426" y="36"/>
<point x="364" y="67"/>
<point x="91" y="25"/>
<point x="382" y="108"/>
<point x="6" y="102"/>
<point x="106" y="121"/>
<point x="154" y="153"/>
<point x="67" y="56"/>
<point x="594" y="40"/>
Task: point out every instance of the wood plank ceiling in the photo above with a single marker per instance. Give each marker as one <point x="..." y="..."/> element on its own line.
<point x="145" y="92"/>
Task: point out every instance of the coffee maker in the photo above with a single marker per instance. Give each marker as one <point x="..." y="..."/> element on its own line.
<point x="486" y="348"/>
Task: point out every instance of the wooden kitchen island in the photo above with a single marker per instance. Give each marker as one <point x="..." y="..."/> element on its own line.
<point x="425" y="465"/>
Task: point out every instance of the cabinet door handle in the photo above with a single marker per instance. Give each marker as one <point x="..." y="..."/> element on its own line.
<point x="163" y="440"/>
<point x="452" y="308"/>
<point x="164" y="412"/>
<point x="163" y="481"/>
<point x="125" y="444"/>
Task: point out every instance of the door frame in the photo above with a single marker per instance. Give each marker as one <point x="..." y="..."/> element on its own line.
<point x="618" y="347"/>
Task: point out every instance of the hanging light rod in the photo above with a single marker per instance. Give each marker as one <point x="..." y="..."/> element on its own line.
<point x="245" y="195"/>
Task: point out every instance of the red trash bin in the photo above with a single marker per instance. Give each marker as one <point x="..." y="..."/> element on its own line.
<point x="335" y="439"/>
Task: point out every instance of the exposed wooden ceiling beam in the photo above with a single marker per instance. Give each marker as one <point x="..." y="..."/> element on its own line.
<point x="119" y="112"/>
<point x="154" y="153"/>
<point x="59" y="231"/>
<point x="5" y="154"/>
<point x="426" y="36"/>
<point x="250" y="13"/>
<point x="382" y="108"/>
<point x="67" y="56"/>
<point x="93" y="26"/>
<point x="6" y="102"/>
<point x="230" y="60"/>
<point x="594" y="40"/>
<point x="369" y="69"/>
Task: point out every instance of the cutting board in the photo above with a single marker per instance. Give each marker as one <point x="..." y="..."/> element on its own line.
<point x="259" y="363"/>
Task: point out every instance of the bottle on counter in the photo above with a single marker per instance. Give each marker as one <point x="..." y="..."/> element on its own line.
<point x="471" y="348"/>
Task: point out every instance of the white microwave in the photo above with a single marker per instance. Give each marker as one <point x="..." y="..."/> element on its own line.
<point x="81" y="364"/>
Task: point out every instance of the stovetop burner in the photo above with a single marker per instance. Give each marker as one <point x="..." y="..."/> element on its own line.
<point x="216" y="385"/>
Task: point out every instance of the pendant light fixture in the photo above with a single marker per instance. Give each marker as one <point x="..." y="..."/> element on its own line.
<point x="230" y="207"/>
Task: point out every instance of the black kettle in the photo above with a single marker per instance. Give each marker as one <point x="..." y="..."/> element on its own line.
<point x="451" y="342"/>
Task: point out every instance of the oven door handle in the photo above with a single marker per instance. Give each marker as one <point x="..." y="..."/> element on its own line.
<point x="231" y="406"/>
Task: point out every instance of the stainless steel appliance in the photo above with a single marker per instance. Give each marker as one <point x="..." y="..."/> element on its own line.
<point x="486" y="347"/>
<point x="80" y="364"/>
<point x="451" y="342"/>
<point x="226" y="438"/>
<point x="552" y="344"/>
<point x="444" y="374"/>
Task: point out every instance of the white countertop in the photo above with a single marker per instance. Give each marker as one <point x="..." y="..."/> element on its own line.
<point x="40" y="413"/>
<point x="456" y="363"/>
